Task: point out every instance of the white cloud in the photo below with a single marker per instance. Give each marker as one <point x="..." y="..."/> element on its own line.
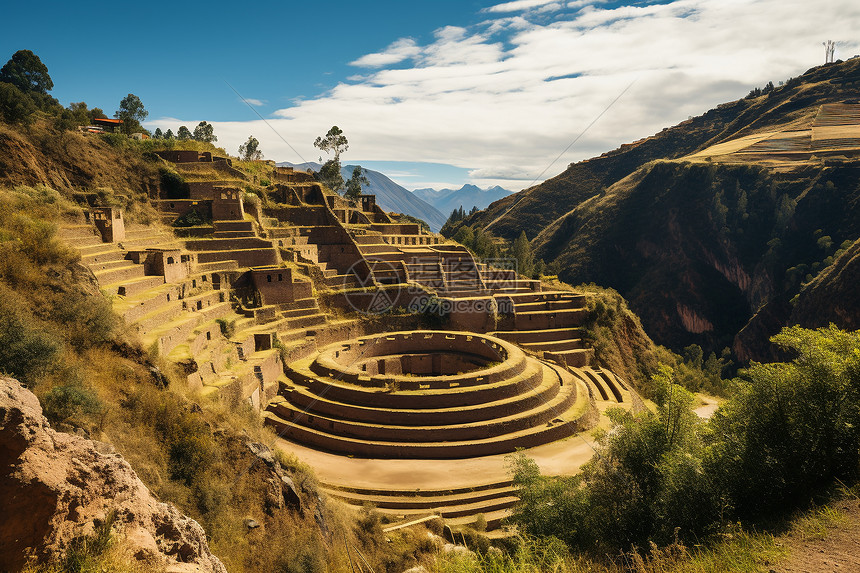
<point x="255" y="102"/>
<point x="400" y="50"/>
<point x="519" y="5"/>
<point x="504" y="97"/>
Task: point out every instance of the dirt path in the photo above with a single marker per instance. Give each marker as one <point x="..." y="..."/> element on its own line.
<point x="707" y="409"/>
<point x="562" y="457"/>
<point x="838" y="550"/>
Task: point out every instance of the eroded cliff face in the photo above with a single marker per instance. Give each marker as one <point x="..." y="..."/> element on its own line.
<point x="697" y="249"/>
<point x="55" y="487"/>
<point x="833" y="296"/>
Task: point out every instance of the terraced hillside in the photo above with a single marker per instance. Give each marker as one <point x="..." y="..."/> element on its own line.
<point x="709" y="223"/>
<point x="268" y="302"/>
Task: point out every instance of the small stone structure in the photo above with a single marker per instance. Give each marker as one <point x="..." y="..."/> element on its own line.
<point x="276" y="285"/>
<point x="109" y="222"/>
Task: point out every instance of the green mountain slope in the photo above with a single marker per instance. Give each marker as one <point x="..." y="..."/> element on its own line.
<point x="699" y="244"/>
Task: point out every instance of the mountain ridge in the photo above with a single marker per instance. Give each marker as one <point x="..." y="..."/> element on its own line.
<point x="700" y="237"/>
<point x="467" y="197"/>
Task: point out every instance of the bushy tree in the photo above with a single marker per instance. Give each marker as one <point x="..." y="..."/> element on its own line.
<point x="644" y="481"/>
<point x="169" y="134"/>
<point x="334" y="141"/>
<point x="131" y="112"/>
<point x="158" y="133"/>
<point x="77" y="114"/>
<point x="790" y="430"/>
<point x="70" y="401"/>
<point x="331" y="176"/>
<point x="250" y="150"/>
<point x="204" y="132"/>
<point x="15" y="105"/>
<point x="353" y="186"/>
<point x="28" y="351"/>
<point x="27" y="72"/>
<point x="792" y="426"/>
<point x="184" y="134"/>
<point x="97" y="113"/>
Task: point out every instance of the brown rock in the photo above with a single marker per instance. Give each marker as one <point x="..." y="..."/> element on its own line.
<point x="55" y="486"/>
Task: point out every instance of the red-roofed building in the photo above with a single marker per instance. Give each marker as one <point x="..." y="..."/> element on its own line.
<point x="107" y="124"/>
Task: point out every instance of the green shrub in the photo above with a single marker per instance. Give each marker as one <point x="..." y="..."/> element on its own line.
<point x="84" y="553"/>
<point x="192" y="218"/>
<point x="228" y="327"/>
<point x="27" y="351"/>
<point x="792" y="426"/>
<point x="190" y="446"/>
<point x="89" y="320"/>
<point x="70" y="401"/>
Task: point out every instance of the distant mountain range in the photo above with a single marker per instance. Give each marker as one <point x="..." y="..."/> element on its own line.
<point x="389" y="195"/>
<point x="467" y="196"/>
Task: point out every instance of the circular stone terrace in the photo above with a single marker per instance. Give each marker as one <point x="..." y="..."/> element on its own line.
<point x="428" y="395"/>
<point x="421" y="422"/>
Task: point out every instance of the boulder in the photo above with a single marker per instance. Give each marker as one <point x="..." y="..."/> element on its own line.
<point x="55" y="487"/>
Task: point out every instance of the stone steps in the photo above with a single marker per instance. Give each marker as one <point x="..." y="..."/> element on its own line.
<point x="464" y="509"/>
<point x="108" y="265"/>
<point x="122" y="273"/>
<point x="544" y="320"/>
<point x="134" y="287"/>
<point x="112" y="253"/>
<point x="379" y="397"/>
<point x="310" y="402"/>
<point x="607" y="386"/>
<point x="243" y="257"/>
<point x="575" y="357"/>
<point x="536" y="336"/>
<point x="555" y="430"/>
<point x="555" y="345"/>
<point x="388" y="432"/>
<point x="238" y="244"/>
<point x="218" y="266"/>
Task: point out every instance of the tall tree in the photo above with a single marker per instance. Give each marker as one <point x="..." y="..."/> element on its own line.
<point x="330" y="175"/>
<point x="250" y="150"/>
<point x="333" y="141"/>
<point x="158" y="134"/>
<point x="204" y="132"/>
<point x="131" y="112"/>
<point x="169" y="134"/>
<point x="353" y="186"/>
<point x="524" y="255"/>
<point x="27" y="72"/>
<point x="183" y="134"/>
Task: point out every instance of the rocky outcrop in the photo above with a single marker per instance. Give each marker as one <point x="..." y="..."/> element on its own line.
<point x="56" y="487"/>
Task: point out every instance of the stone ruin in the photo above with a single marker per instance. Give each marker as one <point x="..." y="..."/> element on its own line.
<point x="237" y="302"/>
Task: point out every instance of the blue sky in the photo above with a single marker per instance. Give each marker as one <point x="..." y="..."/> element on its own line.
<point x="432" y="93"/>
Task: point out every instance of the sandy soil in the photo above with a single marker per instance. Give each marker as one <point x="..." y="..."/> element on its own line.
<point x="562" y="457"/>
<point x="838" y="551"/>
